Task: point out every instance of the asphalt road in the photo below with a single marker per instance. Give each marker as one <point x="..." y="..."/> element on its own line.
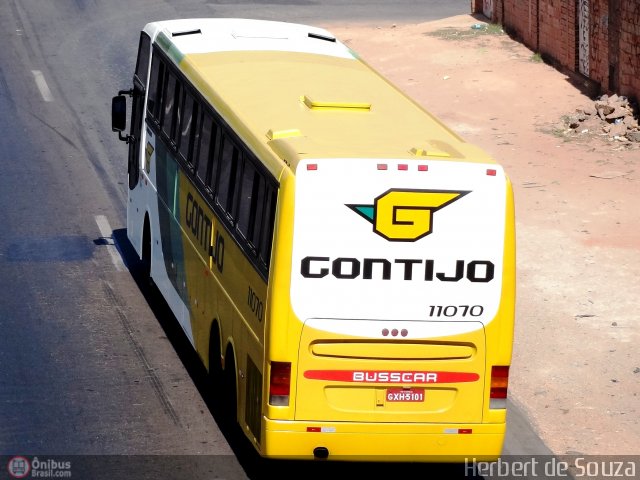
<point x="92" y="363"/>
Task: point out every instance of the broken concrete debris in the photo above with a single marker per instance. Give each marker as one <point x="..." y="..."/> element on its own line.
<point x="611" y="115"/>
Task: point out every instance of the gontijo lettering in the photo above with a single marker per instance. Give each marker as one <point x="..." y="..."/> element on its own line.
<point x="198" y="222"/>
<point x="476" y="271"/>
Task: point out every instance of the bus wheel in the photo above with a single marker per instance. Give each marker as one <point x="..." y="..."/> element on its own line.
<point x="146" y="252"/>
<point x="229" y="396"/>
<point x="215" y="364"/>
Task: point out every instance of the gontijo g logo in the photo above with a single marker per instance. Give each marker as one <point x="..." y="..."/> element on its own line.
<point x="406" y="215"/>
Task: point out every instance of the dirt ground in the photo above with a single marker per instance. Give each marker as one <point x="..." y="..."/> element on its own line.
<point x="576" y="366"/>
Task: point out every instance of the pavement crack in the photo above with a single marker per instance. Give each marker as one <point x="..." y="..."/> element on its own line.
<point x="155" y="381"/>
<point x="55" y="130"/>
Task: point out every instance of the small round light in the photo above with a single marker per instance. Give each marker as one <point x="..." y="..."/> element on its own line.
<point x="385" y="332"/>
<point x="404" y="332"/>
<point x="394" y="332"/>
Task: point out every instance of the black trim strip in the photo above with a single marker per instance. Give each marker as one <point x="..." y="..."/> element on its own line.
<point x="188" y="32"/>
<point x="322" y="37"/>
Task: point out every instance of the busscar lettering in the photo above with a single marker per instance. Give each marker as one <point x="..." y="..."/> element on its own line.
<point x="349" y="268"/>
<point x="395" y="377"/>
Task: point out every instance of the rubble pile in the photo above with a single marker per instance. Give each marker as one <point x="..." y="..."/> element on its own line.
<point x="612" y="116"/>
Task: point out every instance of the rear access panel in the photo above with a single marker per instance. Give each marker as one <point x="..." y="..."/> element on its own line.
<point x="391" y="371"/>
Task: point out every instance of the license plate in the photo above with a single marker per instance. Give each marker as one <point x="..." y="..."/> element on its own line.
<point x="405" y="395"/>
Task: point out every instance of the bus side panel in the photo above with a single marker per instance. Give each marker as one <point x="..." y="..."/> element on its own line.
<point x="225" y="287"/>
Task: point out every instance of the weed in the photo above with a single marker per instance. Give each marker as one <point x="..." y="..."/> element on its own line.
<point x="476" y="30"/>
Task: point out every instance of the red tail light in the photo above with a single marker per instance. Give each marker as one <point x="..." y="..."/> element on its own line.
<point x="279" y="383"/>
<point x="499" y="386"/>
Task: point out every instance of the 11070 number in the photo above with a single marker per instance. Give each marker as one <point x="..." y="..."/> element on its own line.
<point x="455" y="310"/>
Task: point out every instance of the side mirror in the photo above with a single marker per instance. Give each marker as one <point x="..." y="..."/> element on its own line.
<point x="119" y="113"/>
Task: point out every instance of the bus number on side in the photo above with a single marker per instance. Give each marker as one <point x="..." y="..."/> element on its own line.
<point x="255" y="304"/>
<point x="455" y="310"/>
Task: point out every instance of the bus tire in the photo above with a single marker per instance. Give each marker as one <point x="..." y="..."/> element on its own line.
<point x="215" y="360"/>
<point x="229" y="395"/>
<point x="145" y="260"/>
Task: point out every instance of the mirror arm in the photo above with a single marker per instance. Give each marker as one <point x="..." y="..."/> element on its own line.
<point x="126" y="138"/>
<point x="126" y="92"/>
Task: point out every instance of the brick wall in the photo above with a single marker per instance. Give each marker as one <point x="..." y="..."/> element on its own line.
<point x="599" y="42"/>
<point x="629" y="61"/>
<point x="557" y="24"/>
<point x="551" y="27"/>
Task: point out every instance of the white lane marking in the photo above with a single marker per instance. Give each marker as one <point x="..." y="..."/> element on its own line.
<point x="41" y="83"/>
<point x="107" y="234"/>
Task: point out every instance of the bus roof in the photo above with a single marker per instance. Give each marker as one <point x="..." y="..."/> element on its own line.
<point x="295" y="92"/>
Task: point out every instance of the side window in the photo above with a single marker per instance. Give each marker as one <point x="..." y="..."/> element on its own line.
<point x="213" y="162"/>
<point x="155" y="87"/>
<point x="205" y="148"/>
<point x="229" y="159"/>
<point x="169" y="104"/>
<point x="175" y="133"/>
<point x="142" y="64"/>
<point x="188" y="126"/>
<point x="266" y="236"/>
<point x="257" y="219"/>
<point x="247" y="200"/>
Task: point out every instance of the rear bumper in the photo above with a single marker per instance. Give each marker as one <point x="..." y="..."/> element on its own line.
<point x="384" y="442"/>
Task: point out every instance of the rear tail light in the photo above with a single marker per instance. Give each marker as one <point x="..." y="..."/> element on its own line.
<point x="499" y="386"/>
<point x="279" y="383"/>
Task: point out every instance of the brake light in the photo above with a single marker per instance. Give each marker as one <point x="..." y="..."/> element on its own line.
<point x="499" y="386"/>
<point x="279" y="383"/>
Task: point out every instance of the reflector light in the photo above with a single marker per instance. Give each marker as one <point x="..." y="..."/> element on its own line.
<point x="491" y="172"/>
<point x="382" y="166"/>
<point x="458" y="431"/>
<point x="312" y="166"/>
<point x="423" y="168"/>
<point x="499" y="381"/>
<point x="403" y="166"/>
<point x="314" y="429"/>
<point x="280" y="381"/>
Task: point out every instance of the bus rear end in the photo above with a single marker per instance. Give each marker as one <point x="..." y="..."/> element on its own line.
<point x="398" y="336"/>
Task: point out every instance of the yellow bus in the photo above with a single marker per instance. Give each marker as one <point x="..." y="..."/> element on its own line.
<point x="342" y="262"/>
